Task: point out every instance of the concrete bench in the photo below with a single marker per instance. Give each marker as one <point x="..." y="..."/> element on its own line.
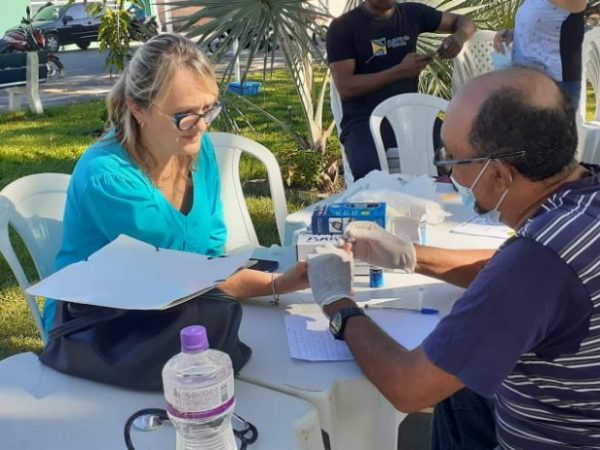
<point x="21" y="74"/>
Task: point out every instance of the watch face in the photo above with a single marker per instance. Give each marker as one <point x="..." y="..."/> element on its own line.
<point x="336" y="323"/>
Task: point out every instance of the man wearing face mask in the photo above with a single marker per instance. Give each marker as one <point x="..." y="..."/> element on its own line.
<point x="516" y="363"/>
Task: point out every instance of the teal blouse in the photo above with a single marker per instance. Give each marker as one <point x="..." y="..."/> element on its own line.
<point x="109" y="195"/>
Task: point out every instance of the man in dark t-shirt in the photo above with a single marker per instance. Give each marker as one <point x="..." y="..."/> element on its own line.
<point x="371" y="53"/>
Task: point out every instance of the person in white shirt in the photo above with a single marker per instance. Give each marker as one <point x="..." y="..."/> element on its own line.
<point x="548" y="37"/>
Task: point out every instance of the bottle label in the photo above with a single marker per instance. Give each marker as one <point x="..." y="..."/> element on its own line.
<point x="200" y="403"/>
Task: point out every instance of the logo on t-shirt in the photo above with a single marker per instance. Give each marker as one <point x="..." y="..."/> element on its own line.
<point x="400" y="41"/>
<point x="379" y="47"/>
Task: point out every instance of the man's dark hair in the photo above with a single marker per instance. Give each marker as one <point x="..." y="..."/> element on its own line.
<point x="508" y="122"/>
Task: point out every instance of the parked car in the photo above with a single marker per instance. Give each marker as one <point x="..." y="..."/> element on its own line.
<point x="67" y="24"/>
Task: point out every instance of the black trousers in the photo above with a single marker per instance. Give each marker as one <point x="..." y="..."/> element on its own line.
<point x="359" y="145"/>
<point x="464" y="421"/>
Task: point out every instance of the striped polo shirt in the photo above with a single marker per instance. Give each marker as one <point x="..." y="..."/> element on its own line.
<point x="554" y="402"/>
<point x="549" y="39"/>
<point x="527" y="330"/>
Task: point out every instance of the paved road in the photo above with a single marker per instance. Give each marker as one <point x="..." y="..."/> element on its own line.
<point x="86" y="78"/>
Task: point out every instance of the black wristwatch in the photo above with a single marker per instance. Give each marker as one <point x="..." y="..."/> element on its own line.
<point x="337" y="324"/>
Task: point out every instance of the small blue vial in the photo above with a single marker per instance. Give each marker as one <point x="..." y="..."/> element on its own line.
<point x="375" y="277"/>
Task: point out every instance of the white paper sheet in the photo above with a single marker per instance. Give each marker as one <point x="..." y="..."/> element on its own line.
<point x="480" y="226"/>
<point x="309" y="337"/>
<point x="131" y="274"/>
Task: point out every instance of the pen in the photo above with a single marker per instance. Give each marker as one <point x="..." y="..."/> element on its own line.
<point x="428" y="311"/>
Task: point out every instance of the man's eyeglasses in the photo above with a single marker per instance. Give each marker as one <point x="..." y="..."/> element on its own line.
<point x="187" y="121"/>
<point x="441" y="158"/>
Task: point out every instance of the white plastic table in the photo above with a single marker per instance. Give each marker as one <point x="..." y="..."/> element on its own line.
<point x="43" y="409"/>
<point x="351" y="410"/>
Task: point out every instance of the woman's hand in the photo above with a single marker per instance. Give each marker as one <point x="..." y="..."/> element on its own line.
<point x="294" y="279"/>
<point x="502" y="37"/>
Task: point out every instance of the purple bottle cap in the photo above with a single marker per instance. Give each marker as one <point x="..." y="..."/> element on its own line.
<point x="193" y="339"/>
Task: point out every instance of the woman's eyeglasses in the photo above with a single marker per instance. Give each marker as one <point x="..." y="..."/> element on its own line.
<point x="441" y="159"/>
<point x="187" y="121"/>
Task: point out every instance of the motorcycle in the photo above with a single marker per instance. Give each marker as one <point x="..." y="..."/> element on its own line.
<point x="142" y="30"/>
<point x="30" y="39"/>
<point x="141" y="27"/>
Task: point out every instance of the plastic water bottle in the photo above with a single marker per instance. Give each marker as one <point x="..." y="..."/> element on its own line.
<point x="198" y="387"/>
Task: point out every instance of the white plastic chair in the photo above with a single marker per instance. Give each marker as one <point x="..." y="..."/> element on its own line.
<point x="590" y="131"/>
<point x="336" y="109"/>
<point x="590" y="71"/>
<point x="240" y="229"/>
<point x="412" y="117"/>
<point x="474" y="59"/>
<point x="33" y="206"/>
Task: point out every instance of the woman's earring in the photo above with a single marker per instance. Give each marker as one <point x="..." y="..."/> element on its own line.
<point x="141" y="124"/>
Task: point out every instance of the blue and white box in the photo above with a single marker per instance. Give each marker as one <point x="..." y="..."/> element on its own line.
<point x="335" y="217"/>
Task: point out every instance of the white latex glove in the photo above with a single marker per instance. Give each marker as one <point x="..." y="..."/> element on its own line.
<point x="330" y="274"/>
<point x="373" y="244"/>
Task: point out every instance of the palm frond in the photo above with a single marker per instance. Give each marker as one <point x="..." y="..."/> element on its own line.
<point x="436" y="79"/>
<point x="257" y="25"/>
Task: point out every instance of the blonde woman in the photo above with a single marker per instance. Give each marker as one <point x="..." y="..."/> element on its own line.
<point x="154" y="175"/>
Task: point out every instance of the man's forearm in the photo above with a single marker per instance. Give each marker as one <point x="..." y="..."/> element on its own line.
<point x="407" y="379"/>
<point x="464" y="28"/>
<point x="362" y="84"/>
<point x="458" y="267"/>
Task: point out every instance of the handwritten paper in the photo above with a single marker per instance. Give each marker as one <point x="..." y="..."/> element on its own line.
<point x="130" y="274"/>
<point x="309" y="337"/>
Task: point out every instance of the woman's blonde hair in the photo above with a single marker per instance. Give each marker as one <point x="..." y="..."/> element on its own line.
<point x="145" y="79"/>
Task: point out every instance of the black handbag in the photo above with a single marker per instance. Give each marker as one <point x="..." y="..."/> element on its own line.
<point x="129" y="348"/>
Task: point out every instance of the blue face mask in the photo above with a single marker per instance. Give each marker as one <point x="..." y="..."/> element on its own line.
<point x="468" y="199"/>
<point x="466" y="194"/>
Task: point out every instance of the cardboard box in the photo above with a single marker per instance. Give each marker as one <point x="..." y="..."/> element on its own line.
<point x="333" y="218"/>
<point x="308" y="242"/>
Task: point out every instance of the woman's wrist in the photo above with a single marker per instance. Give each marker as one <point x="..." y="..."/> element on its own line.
<point x="274" y="291"/>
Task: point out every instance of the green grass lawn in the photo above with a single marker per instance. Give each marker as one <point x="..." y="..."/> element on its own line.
<point x="54" y="141"/>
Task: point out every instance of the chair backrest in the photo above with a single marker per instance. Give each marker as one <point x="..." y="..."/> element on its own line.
<point x="474" y="59"/>
<point x="240" y="229"/>
<point x="412" y="117"/>
<point x="34" y="207"/>
<point x="336" y="109"/>
<point x="590" y="71"/>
